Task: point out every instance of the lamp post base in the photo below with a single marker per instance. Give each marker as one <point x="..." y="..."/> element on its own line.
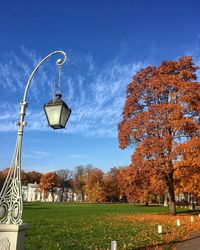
<point x="12" y="236"/>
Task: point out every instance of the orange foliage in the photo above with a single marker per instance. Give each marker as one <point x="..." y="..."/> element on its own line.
<point x="188" y="169"/>
<point x="94" y="187"/>
<point x="49" y="181"/>
<point x="34" y="176"/>
<point x="112" y="186"/>
<point x="162" y="106"/>
<point x="139" y="185"/>
<point x="3" y="175"/>
<point x="24" y="178"/>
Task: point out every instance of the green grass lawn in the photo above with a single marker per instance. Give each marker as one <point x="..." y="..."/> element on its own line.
<point x="86" y="226"/>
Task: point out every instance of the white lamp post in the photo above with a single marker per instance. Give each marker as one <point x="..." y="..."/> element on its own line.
<point x="11" y="204"/>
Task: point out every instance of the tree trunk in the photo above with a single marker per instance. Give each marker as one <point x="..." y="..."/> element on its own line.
<point x="52" y="196"/>
<point x="170" y="186"/>
<point x="82" y="196"/>
<point x="62" y="193"/>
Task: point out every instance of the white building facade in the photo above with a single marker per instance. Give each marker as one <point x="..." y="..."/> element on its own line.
<point x="32" y="193"/>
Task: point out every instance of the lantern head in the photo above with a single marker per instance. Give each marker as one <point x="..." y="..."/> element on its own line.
<point x="57" y="112"/>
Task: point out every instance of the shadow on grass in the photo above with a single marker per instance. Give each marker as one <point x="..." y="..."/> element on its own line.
<point x="194" y="212"/>
<point x="38" y="208"/>
<point x="31" y="206"/>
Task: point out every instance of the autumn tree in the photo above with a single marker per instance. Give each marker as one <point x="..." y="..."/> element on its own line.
<point x="187" y="172"/>
<point x="122" y="179"/>
<point x="112" y="186"/>
<point x="30" y="177"/>
<point x="48" y="182"/>
<point x="161" y="112"/>
<point x="34" y="176"/>
<point x="94" y="187"/>
<point x="3" y="175"/>
<point x="140" y="185"/>
<point x="24" y="178"/>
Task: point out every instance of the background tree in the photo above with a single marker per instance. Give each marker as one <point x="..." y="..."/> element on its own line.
<point x="3" y="175"/>
<point x="24" y="178"/>
<point x="48" y="182"/>
<point x="162" y="106"/>
<point x="66" y="177"/>
<point x="140" y="185"/>
<point x="112" y="187"/>
<point x="94" y="187"/>
<point x="123" y="183"/>
<point x="79" y="180"/>
<point x="30" y="177"/>
<point x="34" y="177"/>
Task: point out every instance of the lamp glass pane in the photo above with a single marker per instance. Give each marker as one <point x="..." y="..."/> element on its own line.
<point x="53" y="114"/>
<point x="64" y="116"/>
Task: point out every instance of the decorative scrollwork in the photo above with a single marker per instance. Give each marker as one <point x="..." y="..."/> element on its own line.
<point x="3" y="211"/>
<point x="10" y="197"/>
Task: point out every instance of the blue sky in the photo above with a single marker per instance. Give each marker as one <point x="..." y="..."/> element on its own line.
<point x="107" y="42"/>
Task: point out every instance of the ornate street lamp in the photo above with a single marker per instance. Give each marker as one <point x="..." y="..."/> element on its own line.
<point x="11" y="204"/>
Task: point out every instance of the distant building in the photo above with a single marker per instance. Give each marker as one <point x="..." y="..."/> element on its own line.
<point x="32" y="193"/>
<point x="24" y="192"/>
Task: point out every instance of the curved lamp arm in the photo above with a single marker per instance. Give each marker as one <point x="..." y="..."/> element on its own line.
<point x="59" y="62"/>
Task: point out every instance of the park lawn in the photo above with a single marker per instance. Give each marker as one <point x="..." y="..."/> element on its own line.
<point x="93" y="226"/>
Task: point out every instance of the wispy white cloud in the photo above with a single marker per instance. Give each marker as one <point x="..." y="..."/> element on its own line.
<point x="77" y="156"/>
<point x="98" y="110"/>
<point x="96" y="94"/>
<point x="36" y="154"/>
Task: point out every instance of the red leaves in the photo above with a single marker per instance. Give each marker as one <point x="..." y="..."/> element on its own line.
<point x="49" y="181"/>
<point x="94" y="186"/>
